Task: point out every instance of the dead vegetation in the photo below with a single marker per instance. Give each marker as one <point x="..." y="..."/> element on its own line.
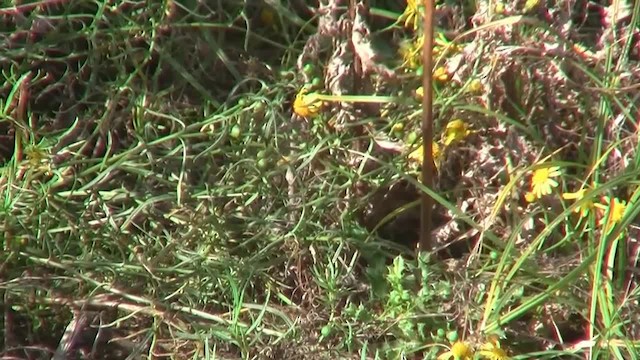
<point x="162" y="199"/>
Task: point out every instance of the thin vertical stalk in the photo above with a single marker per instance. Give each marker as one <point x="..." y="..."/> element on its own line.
<point x="425" y="243"/>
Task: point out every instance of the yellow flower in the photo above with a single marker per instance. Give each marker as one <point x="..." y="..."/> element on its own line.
<point x="441" y="74"/>
<point x="416" y="155"/>
<point x="459" y="351"/>
<point x="616" y="212"/>
<point x="492" y="351"/>
<point x="456" y="130"/>
<point x="577" y="196"/>
<point x="411" y="14"/>
<point x="411" y="52"/>
<point x="475" y="87"/>
<point x="420" y="92"/>
<point x="405" y="51"/>
<point x="530" y="5"/>
<point x="542" y="182"/>
<point x="307" y="104"/>
<point x="441" y="44"/>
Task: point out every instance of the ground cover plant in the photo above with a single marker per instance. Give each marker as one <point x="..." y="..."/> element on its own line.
<point x="239" y="179"/>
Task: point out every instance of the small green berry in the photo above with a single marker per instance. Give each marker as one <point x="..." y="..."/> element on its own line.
<point x="325" y="331"/>
<point x="242" y="102"/>
<point x="308" y="69"/>
<point x="235" y="131"/>
<point x="452" y="336"/>
<point x="316" y="82"/>
<point x="260" y="106"/>
<point x="412" y="137"/>
<point x="519" y="292"/>
<point x="494" y="255"/>
<point x="440" y="333"/>
<point x="261" y="163"/>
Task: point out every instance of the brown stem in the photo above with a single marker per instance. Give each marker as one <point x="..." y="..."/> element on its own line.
<point x="427" y="127"/>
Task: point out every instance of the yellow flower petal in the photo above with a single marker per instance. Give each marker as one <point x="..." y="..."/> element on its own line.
<point x="307" y="104"/>
<point x="542" y="182"/>
<point x="411" y="15"/>
<point x="416" y="155"/>
<point x="456" y="130"/>
<point x="441" y="74"/>
<point x="577" y="196"/>
<point x="616" y="212"/>
<point x="411" y="53"/>
<point x="475" y="86"/>
<point x="492" y="351"/>
<point x="574" y="195"/>
<point x="459" y="350"/>
<point x="530" y="197"/>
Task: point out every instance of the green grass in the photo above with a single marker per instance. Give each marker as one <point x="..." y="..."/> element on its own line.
<point x="156" y="182"/>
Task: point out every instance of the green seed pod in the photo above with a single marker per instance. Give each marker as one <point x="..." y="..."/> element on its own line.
<point x="412" y="137"/>
<point x="494" y="255"/>
<point x="325" y="331"/>
<point x="235" y="131"/>
<point x="308" y="69"/>
<point x="452" y="336"/>
<point x="259" y="108"/>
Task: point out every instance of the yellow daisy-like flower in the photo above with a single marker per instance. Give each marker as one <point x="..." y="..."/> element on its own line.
<point x="307" y="104"/>
<point x="459" y="351"/>
<point x="577" y="196"/>
<point x="456" y="130"/>
<point x="616" y="209"/>
<point x="411" y="14"/>
<point x="416" y="157"/>
<point x="492" y="351"/>
<point x="441" y="74"/>
<point x="542" y="182"/>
